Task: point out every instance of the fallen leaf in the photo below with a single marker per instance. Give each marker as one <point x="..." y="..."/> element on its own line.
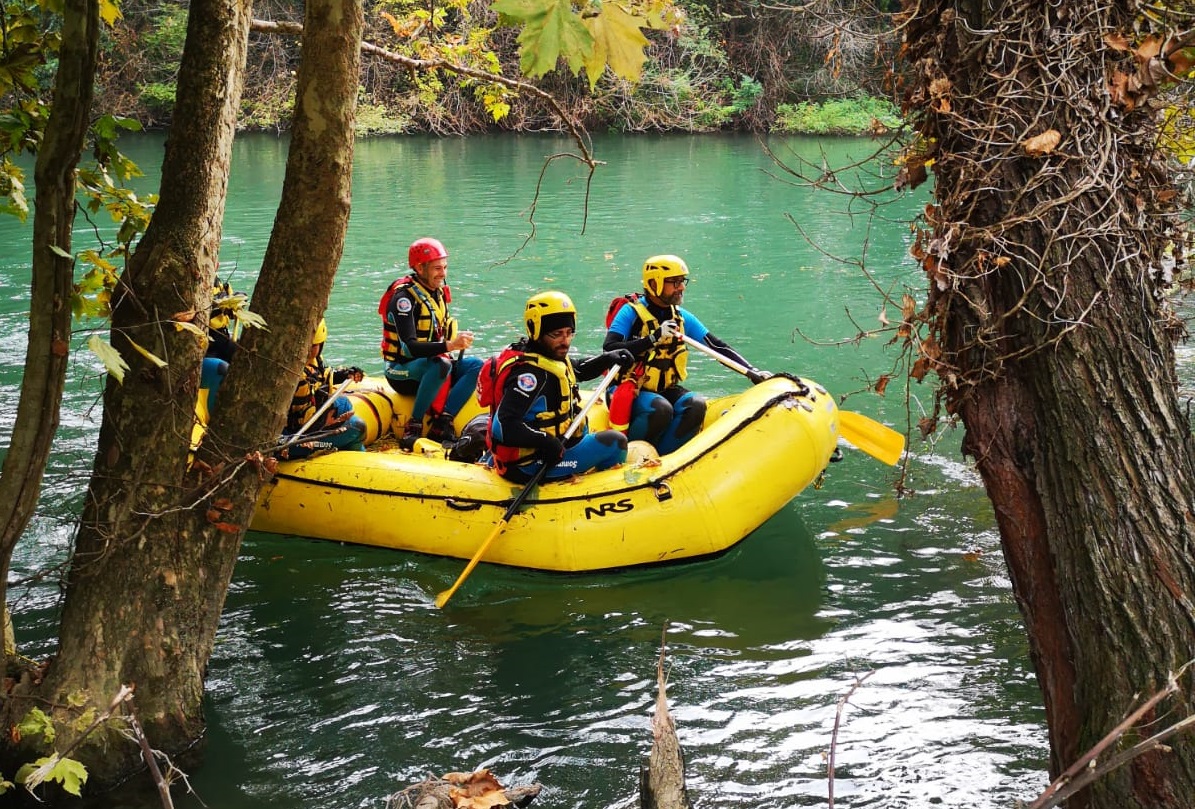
<point x="1042" y="144"/>
<point x="1117" y="41"/>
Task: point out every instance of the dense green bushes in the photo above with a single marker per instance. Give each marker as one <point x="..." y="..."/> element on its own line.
<point x="845" y="116"/>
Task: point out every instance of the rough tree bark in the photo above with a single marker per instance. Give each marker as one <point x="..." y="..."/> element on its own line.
<point x="53" y="275"/>
<point x="133" y="612"/>
<point x="1047" y="251"/>
<point x="156" y="550"/>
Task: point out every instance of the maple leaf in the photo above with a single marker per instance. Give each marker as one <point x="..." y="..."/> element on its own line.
<point x="617" y="40"/>
<point x="550" y="30"/>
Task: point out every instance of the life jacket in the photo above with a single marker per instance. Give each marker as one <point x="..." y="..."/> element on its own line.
<point x="311" y="392"/>
<point x="666" y="364"/>
<point x="553" y="422"/>
<point x="492" y="375"/>
<point x="432" y="322"/>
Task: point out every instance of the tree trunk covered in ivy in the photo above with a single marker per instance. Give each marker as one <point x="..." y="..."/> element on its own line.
<point x="1049" y="249"/>
<point x="53" y="276"/>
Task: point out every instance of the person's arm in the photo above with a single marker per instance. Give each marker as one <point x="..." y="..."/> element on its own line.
<point x="402" y="315"/>
<point x="696" y="329"/>
<point x="593" y="367"/>
<point x="621" y="328"/>
<point x="524" y="384"/>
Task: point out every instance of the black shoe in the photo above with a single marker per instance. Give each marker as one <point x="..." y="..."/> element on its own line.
<point x="412" y="433"/>
<point x="441" y="429"/>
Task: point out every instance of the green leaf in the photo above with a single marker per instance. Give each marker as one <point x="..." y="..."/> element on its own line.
<point x="550" y="30"/>
<point x="108" y="355"/>
<point x="71" y="773"/>
<point x="36" y="723"/>
<point x="68" y="772"/>
<point x="617" y="40"/>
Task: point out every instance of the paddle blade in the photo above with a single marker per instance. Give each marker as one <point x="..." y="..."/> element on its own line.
<point x="443" y="596"/>
<point x="877" y="440"/>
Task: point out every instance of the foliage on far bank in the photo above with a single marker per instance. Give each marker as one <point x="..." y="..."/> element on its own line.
<point x="845" y="116"/>
<point x="706" y="66"/>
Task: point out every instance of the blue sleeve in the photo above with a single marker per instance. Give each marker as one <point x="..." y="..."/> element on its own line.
<point x="693" y="327"/>
<point x="624" y="321"/>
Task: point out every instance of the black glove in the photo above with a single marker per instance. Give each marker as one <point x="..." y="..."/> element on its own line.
<point x="620" y="356"/>
<point x="549" y="449"/>
<point x="756" y="376"/>
<point x="343" y="374"/>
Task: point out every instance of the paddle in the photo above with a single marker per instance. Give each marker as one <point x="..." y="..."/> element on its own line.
<point x="578" y="420"/>
<point x="322" y="409"/>
<point x="877" y="440"/>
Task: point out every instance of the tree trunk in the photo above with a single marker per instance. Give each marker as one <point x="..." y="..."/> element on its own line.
<point x="1054" y="342"/>
<point x="53" y="276"/>
<point x="156" y="552"/>
<point x="140" y="599"/>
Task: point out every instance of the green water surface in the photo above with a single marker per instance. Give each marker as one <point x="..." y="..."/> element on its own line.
<point x="335" y="681"/>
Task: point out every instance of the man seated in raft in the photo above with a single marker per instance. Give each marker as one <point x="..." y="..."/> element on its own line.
<point x="653" y="328"/>
<point x="422" y="345"/>
<point x="338" y="428"/>
<point x="538" y="399"/>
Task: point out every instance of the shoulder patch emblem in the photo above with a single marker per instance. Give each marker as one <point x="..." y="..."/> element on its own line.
<point x="403" y="305"/>
<point x="526" y="382"/>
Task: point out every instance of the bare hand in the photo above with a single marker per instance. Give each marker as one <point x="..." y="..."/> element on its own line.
<point x="461" y="341"/>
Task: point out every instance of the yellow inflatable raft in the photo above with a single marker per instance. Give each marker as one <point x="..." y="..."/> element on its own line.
<point x="757" y="451"/>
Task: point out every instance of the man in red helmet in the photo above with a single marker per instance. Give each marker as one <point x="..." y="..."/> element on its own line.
<point x="419" y="339"/>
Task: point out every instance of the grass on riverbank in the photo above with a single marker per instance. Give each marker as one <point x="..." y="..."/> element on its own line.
<point x="862" y="115"/>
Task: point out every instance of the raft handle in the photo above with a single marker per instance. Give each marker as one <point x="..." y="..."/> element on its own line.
<point x="470" y="506"/>
<point x="663" y="491"/>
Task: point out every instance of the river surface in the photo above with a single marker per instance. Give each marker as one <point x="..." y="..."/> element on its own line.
<point x="336" y="682"/>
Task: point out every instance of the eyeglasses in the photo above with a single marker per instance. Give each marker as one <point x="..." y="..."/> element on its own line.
<point x="676" y="282"/>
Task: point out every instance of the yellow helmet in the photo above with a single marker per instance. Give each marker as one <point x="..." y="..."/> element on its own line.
<point x="657" y="268"/>
<point x="548" y="311"/>
<point x="321" y="333"/>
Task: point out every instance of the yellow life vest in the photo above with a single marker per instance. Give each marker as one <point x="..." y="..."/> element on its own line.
<point x="553" y="422"/>
<point x="432" y="322"/>
<point x="666" y="363"/>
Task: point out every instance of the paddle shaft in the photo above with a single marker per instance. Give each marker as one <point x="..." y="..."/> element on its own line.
<point x="322" y="409"/>
<point x="877" y="440"/>
<point x="727" y="361"/>
<point x="578" y="420"/>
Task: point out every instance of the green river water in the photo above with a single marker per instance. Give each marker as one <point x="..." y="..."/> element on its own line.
<point x="335" y="681"/>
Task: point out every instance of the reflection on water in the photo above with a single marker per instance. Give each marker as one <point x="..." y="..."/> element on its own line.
<point x="335" y="681"/>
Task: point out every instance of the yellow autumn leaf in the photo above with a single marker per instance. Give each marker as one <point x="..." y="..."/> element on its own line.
<point x="617" y="41"/>
<point x="113" y="362"/>
<point x="110" y="12"/>
<point x="149" y="355"/>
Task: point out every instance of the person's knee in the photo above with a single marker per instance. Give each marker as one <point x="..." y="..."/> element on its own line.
<point x="612" y="438"/>
<point x="692" y="416"/>
<point x="659" y="417"/>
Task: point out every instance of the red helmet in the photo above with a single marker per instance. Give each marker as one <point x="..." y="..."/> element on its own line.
<point x="422" y="251"/>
